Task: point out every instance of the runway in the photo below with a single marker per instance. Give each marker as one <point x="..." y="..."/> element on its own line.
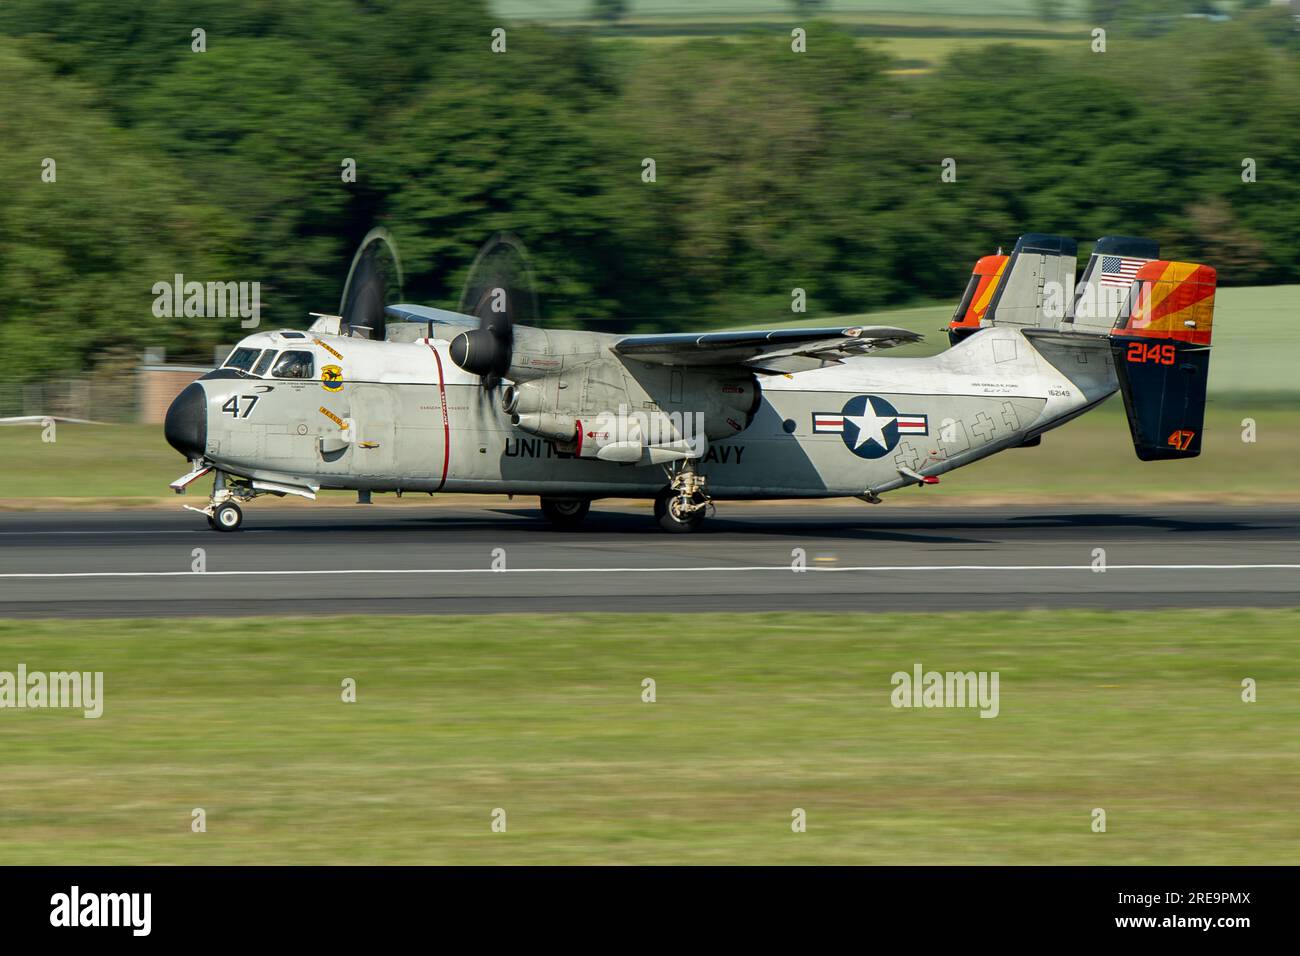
<point x="448" y="559"/>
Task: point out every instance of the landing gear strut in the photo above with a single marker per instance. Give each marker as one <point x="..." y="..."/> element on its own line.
<point x="682" y="506"/>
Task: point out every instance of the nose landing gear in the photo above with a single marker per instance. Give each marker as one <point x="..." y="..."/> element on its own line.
<point x="222" y="512"/>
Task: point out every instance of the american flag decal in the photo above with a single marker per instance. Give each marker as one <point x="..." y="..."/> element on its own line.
<point x="1118" y="272"/>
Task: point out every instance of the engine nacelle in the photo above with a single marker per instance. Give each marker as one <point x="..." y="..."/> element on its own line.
<point x="635" y="412"/>
<point x="558" y="428"/>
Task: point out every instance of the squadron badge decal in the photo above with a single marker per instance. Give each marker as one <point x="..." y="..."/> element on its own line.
<point x="869" y="425"/>
<point x="331" y="378"/>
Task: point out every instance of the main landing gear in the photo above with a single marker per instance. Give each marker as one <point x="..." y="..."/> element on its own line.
<point x="565" y="514"/>
<point x="681" y="507"/>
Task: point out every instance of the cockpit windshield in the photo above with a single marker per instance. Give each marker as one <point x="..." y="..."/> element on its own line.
<point x="242" y="359"/>
<point x="264" y="362"/>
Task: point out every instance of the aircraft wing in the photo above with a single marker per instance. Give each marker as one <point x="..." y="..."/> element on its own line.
<point x="426" y="313"/>
<point x="780" y="350"/>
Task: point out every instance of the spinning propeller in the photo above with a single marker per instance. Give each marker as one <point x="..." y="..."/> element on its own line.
<point x="500" y="291"/>
<point x="375" y="280"/>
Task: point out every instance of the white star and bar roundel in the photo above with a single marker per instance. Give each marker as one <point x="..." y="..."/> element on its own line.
<point x="869" y="425"/>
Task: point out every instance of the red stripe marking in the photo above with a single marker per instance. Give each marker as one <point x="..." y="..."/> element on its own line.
<point x="446" y="422"/>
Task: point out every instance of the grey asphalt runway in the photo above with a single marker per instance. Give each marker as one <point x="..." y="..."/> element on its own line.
<point x="421" y="559"/>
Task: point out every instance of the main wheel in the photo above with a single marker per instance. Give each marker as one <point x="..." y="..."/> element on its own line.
<point x="566" y="513"/>
<point x="227" y="517"/>
<point x="670" y="519"/>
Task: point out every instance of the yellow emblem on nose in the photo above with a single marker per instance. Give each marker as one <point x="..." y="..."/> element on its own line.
<point x="331" y="378"/>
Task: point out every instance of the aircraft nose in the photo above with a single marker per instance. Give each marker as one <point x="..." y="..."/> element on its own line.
<point x="186" y="425"/>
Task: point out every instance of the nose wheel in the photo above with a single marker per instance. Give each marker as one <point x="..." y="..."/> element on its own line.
<point x="222" y="512"/>
<point x="227" y="516"/>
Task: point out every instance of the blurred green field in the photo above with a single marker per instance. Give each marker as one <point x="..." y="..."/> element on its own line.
<point x="1137" y="713"/>
<point x="835" y="9"/>
<point x="920" y="36"/>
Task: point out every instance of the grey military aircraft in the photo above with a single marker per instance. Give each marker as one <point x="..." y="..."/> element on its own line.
<point x="408" y="398"/>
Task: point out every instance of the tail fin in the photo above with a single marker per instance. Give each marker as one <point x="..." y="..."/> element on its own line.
<point x="1031" y="294"/>
<point x="984" y="279"/>
<point x="1161" y="347"/>
<point x="1106" y="279"/>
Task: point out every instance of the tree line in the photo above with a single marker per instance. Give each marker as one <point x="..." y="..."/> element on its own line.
<point x="223" y="155"/>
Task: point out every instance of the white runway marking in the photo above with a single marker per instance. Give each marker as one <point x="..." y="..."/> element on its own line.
<point x="725" y="569"/>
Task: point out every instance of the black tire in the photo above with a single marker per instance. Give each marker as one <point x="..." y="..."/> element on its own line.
<point x="669" y="521"/>
<point x="227" y="517"/>
<point x="565" y="513"/>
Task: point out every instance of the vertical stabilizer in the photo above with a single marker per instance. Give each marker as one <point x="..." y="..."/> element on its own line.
<point x="1161" y="347"/>
<point x="975" y="302"/>
<point x="1106" y="279"/>
<point x="1033" y="293"/>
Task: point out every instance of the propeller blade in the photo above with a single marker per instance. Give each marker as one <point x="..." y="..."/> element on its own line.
<point x="374" y="280"/>
<point x="500" y="291"/>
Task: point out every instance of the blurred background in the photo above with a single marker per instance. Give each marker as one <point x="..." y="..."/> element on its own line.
<point x="774" y="170"/>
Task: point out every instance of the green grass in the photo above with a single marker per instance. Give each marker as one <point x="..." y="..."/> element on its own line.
<point x="87" y="461"/>
<point x="929" y="52"/>
<point x="1001" y="12"/>
<point x="1137" y="713"/>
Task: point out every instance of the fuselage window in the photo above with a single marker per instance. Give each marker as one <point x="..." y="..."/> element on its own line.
<point x="294" y="365"/>
<point x="264" y="362"/>
<point x="242" y="359"/>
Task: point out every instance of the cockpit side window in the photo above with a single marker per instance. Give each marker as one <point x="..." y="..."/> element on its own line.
<point x="241" y="359"/>
<point x="294" y="365"/>
<point x="264" y="362"/>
